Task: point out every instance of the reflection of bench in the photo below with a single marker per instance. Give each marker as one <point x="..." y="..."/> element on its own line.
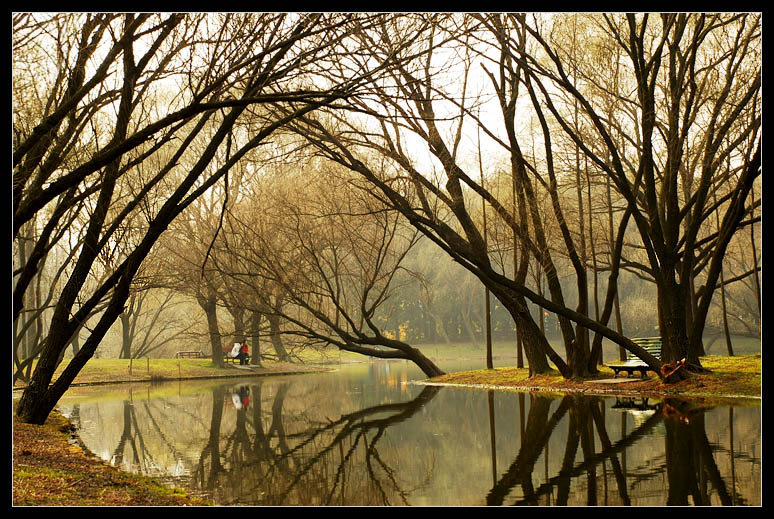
<point x="189" y="355"/>
<point x="632" y="403"/>
<point x="633" y="363"/>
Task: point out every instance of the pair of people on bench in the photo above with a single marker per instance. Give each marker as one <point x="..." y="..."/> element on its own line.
<point x="241" y="352"/>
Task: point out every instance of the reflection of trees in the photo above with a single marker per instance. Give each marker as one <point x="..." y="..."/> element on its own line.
<point x="282" y="450"/>
<point x="253" y="456"/>
<point x="306" y="461"/>
<point x="210" y="466"/>
<point x="534" y="439"/>
<point x="355" y="429"/>
<point x="132" y="448"/>
<point x="127" y="437"/>
<point x="690" y="466"/>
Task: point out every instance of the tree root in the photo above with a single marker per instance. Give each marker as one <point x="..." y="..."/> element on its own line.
<point x="674" y="372"/>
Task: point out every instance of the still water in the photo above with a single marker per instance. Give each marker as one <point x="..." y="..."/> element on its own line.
<point x="366" y="435"/>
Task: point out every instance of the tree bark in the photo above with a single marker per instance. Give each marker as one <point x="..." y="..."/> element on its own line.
<point x="255" y="333"/>
<point x="209" y="305"/>
<point x="275" y="335"/>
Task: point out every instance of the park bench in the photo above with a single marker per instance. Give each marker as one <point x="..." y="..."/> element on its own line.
<point x="633" y="363"/>
<point x="189" y="355"/>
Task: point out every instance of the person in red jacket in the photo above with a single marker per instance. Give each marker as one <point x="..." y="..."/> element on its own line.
<point x="243" y="354"/>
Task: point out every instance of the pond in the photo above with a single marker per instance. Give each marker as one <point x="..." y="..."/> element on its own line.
<point x="366" y="435"/>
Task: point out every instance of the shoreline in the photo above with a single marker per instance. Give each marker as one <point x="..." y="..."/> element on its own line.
<point x="228" y="372"/>
<point x="591" y="390"/>
<point x="53" y="457"/>
<point x="176" y="379"/>
<point x="722" y="382"/>
<point x="727" y="379"/>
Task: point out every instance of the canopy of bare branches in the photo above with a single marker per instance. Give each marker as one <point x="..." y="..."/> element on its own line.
<point x="290" y="173"/>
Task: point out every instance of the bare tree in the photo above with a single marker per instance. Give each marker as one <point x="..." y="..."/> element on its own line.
<point x="147" y="324"/>
<point x="334" y="253"/>
<point x="109" y="108"/>
<point x="697" y="81"/>
<point x="706" y="114"/>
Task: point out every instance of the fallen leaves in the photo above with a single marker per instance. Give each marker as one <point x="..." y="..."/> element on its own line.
<point x="50" y="470"/>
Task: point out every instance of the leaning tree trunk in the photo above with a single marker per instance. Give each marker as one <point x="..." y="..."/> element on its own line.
<point x="427" y="366"/>
<point x="395" y="349"/>
<point x="535" y="344"/>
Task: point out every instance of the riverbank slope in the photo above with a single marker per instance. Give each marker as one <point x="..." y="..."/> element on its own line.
<point x="49" y="469"/>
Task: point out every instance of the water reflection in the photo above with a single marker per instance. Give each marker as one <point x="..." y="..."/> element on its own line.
<point x="336" y="439"/>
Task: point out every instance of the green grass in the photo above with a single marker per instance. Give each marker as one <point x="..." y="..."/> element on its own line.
<point x="740" y="374"/>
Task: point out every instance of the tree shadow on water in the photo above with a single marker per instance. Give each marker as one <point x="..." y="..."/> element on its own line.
<point x="692" y="474"/>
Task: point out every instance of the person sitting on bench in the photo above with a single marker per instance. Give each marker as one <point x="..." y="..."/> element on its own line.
<point x="243" y="353"/>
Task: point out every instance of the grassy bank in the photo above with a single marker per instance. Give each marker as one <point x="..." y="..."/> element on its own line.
<point x="736" y="377"/>
<point x="50" y="470"/>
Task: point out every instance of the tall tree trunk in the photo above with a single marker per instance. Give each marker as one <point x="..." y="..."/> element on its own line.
<point x="275" y="334"/>
<point x="517" y="203"/>
<point x="255" y="333"/>
<point x="239" y="323"/>
<point x="487" y="309"/>
<point x="582" y="351"/>
<point x="209" y="305"/>
<point x="672" y="321"/>
<point x="596" y="357"/>
<point x="729" y="348"/>
<point x="612" y="255"/>
<point x="618" y="324"/>
<point x="126" y="340"/>
<point x="488" y="331"/>
<point x="611" y="298"/>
